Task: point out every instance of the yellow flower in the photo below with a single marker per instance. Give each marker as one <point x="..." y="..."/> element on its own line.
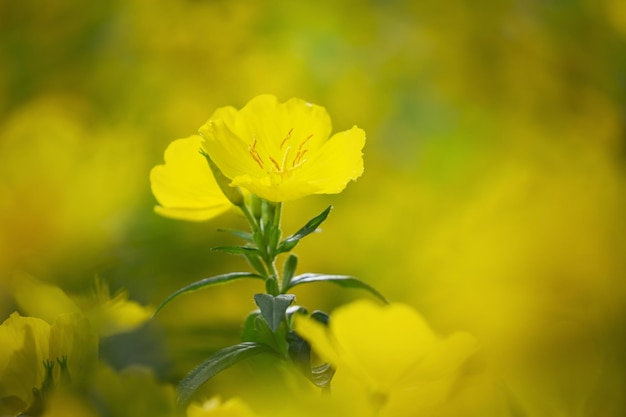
<point x="107" y="315"/>
<point x="36" y="357"/>
<point x="282" y="151"/>
<point x="185" y="186"/>
<point x="387" y="358"/>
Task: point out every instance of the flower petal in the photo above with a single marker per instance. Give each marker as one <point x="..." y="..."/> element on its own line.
<point x="40" y="299"/>
<point x="227" y="140"/>
<point x="24" y="348"/>
<point x="256" y="146"/>
<point x="277" y="190"/>
<point x="337" y="162"/>
<point x="185" y="187"/>
<point x="359" y="327"/>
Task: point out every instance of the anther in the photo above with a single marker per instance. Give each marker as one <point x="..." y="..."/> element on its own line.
<point x="255" y="154"/>
<point x="278" y="168"/>
<point x="286" y="138"/>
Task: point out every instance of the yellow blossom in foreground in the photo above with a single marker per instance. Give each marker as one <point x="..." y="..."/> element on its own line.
<point x="36" y="357"/>
<point x="282" y="151"/>
<point x="185" y="186"/>
<point x="387" y="358"/>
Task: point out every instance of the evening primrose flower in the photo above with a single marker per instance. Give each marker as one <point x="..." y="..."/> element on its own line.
<point x="282" y="151"/>
<point x="36" y="358"/>
<point x="388" y="360"/>
<point x="185" y="186"/>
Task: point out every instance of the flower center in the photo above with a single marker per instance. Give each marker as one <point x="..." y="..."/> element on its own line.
<point x="290" y="157"/>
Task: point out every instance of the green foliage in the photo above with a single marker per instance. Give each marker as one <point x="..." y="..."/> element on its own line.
<point x="270" y="328"/>
<point x="206" y="282"/>
<point x="221" y="360"/>
<point x="272" y="308"/>
<point x="311" y="226"/>
<point x="341" y="280"/>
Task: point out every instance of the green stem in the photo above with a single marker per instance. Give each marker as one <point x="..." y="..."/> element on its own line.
<point x="267" y="233"/>
<point x="253" y="222"/>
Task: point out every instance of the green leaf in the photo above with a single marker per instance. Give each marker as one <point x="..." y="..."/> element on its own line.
<point x="290" y="242"/>
<point x="289" y="269"/>
<point x="300" y="354"/>
<point x="345" y="281"/>
<point x="237" y="250"/>
<point x="272" y="308"/>
<point x="321" y="316"/>
<point x="255" y="261"/>
<point x="221" y="360"/>
<point x="322" y="375"/>
<point x="247" y="236"/>
<point x="257" y="330"/>
<point x="272" y="240"/>
<point x="218" y="279"/>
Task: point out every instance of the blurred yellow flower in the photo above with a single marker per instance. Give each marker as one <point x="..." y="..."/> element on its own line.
<point x="108" y="315"/>
<point x="282" y="151"/>
<point x="36" y="357"/>
<point x="185" y="186"/>
<point x="387" y="358"/>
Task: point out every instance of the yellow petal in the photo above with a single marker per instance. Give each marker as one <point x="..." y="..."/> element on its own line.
<point x="318" y="336"/>
<point x="227" y="141"/>
<point x="24" y="348"/>
<point x="338" y="161"/>
<point x="278" y="190"/>
<point x="72" y="338"/>
<point x="382" y="341"/>
<point x="40" y="299"/>
<point x="269" y="148"/>
<point x="117" y="314"/>
<point x="184" y="186"/>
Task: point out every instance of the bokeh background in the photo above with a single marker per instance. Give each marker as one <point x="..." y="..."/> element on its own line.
<point x="493" y="197"/>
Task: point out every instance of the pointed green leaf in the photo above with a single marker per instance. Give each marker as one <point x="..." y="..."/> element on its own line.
<point x="273" y="309"/>
<point x="257" y="330"/>
<point x="289" y="269"/>
<point x="255" y="261"/>
<point x="247" y="236"/>
<point x="237" y="250"/>
<point x="341" y="280"/>
<point x="290" y="242"/>
<point x="221" y="360"/>
<point x="218" y="279"/>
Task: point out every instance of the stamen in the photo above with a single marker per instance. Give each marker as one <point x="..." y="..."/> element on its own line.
<point x="298" y="159"/>
<point x="255" y="154"/>
<point x="276" y="164"/>
<point x="286" y="138"/>
<point x="285" y="155"/>
<point x="304" y="142"/>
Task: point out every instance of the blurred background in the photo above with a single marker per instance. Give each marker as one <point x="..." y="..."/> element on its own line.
<point x="493" y="197"/>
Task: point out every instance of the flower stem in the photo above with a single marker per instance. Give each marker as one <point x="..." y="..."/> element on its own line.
<point x="267" y="233"/>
